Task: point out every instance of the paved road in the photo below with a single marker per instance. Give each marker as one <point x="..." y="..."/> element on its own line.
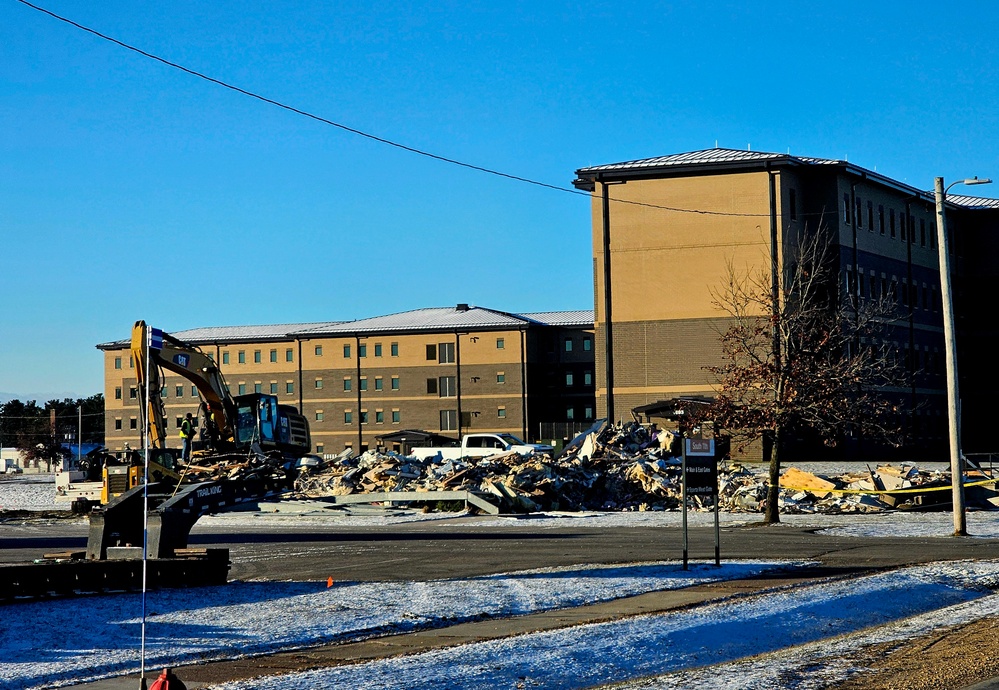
<point x="457" y="548"/>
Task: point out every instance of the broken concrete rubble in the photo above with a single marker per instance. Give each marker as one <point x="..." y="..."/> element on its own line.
<point x="624" y="467"/>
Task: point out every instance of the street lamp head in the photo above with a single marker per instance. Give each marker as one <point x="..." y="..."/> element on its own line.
<point x="975" y="180"/>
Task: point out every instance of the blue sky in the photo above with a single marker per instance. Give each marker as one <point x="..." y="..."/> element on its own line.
<point x="129" y="190"/>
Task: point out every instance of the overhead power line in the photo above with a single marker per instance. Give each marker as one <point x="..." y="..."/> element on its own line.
<point x="379" y="139"/>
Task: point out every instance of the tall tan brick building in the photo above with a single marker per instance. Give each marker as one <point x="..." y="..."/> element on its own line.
<point x="445" y="370"/>
<point x="665" y="231"/>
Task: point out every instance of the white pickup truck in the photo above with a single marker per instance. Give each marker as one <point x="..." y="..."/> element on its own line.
<point x="482" y="445"/>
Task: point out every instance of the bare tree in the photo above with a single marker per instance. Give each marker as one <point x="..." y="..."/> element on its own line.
<point x="803" y="355"/>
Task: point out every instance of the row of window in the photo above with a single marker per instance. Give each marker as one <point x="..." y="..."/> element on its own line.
<point x="919" y="359"/>
<point x="444" y="353"/>
<point x="905" y="227"/>
<point x="448" y="418"/>
<point x="570" y="378"/>
<point x="901" y="292"/>
<point x="445" y="386"/>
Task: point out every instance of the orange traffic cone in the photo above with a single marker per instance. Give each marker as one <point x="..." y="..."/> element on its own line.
<point x="167" y="681"/>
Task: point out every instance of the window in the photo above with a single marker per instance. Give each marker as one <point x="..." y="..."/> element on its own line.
<point x="870" y="216"/>
<point x="225" y="357"/>
<point x="256" y="357"/>
<point x="570" y="413"/>
<point x="395" y="383"/>
<point x="258" y="387"/>
<point x="319" y="350"/>
<point x="891" y="222"/>
<point x="131" y="362"/>
<point x="500" y="343"/>
<point x="568" y="344"/>
<point x="922" y="232"/>
<point x="448" y="387"/>
<point x="396" y="416"/>
<point x="378" y="349"/>
<point x="445" y="353"/>
<point x="587" y="344"/>
<point x="346" y="383"/>
<point x="500" y="377"/>
<point x="274" y="355"/>
<point x="379" y="417"/>
<point x="319" y="447"/>
<point x="194" y="391"/>
<point x="241" y="357"/>
<point x="346" y="351"/>
<point x="588" y="413"/>
<point x="178" y="391"/>
<point x="379" y="385"/>
<point x="431" y="353"/>
<point x="117" y="362"/>
<point x="242" y="389"/>
<point x="163" y="392"/>
<point x="364" y="416"/>
<point x="501" y="412"/>
<point x="364" y="383"/>
<point x="860" y="214"/>
<point x="289" y="387"/>
<point x="319" y="415"/>
<point x="394" y="349"/>
<point x="289" y="355"/>
<point x="274" y="388"/>
<point x="133" y="393"/>
<point x="117" y="423"/>
<point x="133" y="423"/>
<point x="912" y="229"/>
<point x="431" y="386"/>
<point x="568" y="378"/>
<point x="117" y="393"/>
<point x="449" y="420"/>
<point x="348" y="417"/>
<point x="319" y="383"/>
<point x="587" y="378"/>
<point x="792" y="202"/>
<point x="362" y="350"/>
<point x="881" y="218"/>
<point x="846" y="208"/>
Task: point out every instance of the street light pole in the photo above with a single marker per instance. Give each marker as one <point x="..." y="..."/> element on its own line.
<point x="950" y="350"/>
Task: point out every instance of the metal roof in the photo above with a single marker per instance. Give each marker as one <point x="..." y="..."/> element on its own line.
<point x="691" y="158"/>
<point x="733" y="158"/>
<point x="225" y="334"/>
<point x="581" y="317"/>
<point x="972" y="201"/>
<point x="460" y="317"/>
<point x="428" y="319"/>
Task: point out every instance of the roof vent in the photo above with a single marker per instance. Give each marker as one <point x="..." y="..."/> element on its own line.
<point x="461" y="307"/>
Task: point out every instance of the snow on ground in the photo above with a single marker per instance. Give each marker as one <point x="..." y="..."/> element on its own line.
<point x="29" y="492"/>
<point x="910" y="601"/>
<point x="242" y="619"/>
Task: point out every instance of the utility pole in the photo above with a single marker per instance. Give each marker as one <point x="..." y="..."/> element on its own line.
<point x="950" y="351"/>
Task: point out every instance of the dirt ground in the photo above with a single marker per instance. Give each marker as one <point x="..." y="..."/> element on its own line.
<point x="947" y="658"/>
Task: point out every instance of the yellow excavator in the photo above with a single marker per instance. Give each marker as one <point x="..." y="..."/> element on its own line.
<point x="231" y="427"/>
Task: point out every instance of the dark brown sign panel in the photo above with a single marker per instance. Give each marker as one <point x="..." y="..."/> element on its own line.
<point x="702" y="476"/>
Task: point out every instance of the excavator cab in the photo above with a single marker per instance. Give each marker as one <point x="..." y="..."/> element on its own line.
<point x="261" y="419"/>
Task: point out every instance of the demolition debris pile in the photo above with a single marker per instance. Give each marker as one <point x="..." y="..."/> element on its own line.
<point x="626" y="467"/>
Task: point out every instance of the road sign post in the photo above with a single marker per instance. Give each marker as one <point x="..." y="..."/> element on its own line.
<point x="700" y="478"/>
